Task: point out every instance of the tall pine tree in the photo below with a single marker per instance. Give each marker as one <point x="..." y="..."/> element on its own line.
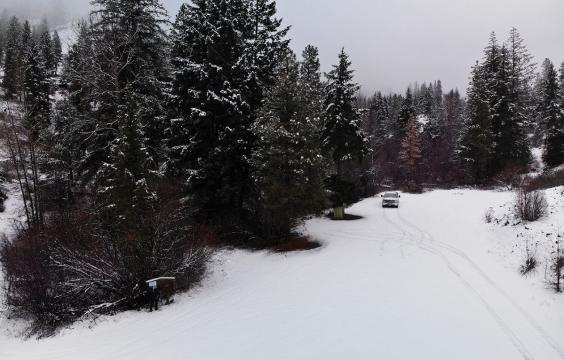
<point x="223" y="57"/>
<point x="551" y="115"/>
<point x="36" y="89"/>
<point x="476" y="144"/>
<point x="128" y="51"/>
<point x="13" y="59"/>
<point x="343" y="137"/>
<point x="288" y="166"/>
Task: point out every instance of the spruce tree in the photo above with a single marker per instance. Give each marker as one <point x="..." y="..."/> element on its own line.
<point x="13" y="59"/>
<point x="288" y="168"/>
<point x="57" y="51"/>
<point x="343" y="137"/>
<point x="75" y="67"/>
<point x="522" y="72"/>
<point x="125" y="189"/>
<point x="311" y="85"/>
<point x="511" y="147"/>
<point x="128" y="49"/>
<point x="211" y="136"/>
<point x="451" y="126"/>
<point x="437" y="99"/>
<point x="407" y="112"/>
<point x="2" y="43"/>
<point x="46" y="46"/>
<point x="476" y="143"/>
<point x="36" y="89"/>
<point x="223" y="57"/>
<point x="505" y="104"/>
<point x="552" y="116"/>
<point x="428" y="100"/>
<point x="264" y="43"/>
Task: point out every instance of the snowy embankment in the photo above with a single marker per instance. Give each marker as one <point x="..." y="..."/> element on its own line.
<point x="9" y="218"/>
<point x="430" y="280"/>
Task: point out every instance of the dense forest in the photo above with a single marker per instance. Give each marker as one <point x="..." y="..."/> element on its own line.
<point x="148" y="143"/>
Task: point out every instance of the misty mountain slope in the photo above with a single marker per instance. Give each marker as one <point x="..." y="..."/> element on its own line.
<point x="427" y="281"/>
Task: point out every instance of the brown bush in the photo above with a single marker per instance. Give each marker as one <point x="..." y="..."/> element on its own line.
<point x="546" y="181"/>
<point x="511" y="175"/>
<point x="76" y="265"/>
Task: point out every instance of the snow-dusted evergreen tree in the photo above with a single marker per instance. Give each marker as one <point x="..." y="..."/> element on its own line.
<point x="311" y="105"/>
<point x="36" y="89"/>
<point x="27" y="36"/>
<point x="376" y="122"/>
<point x="343" y="138"/>
<point x="476" y="144"/>
<point x="211" y="139"/>
<point x="501" y="90"/>
<point x="427" y="100"/>
<point x="407" y="112"/>
<point x="410" y="153"/>
<point x="522" y="72"/>
<point x="552" y="115"/>
<point x="288" y="167"/>
<point x="75" y="67"/>
<point x="264" y="43"/>
<point x="46" y="45"/>
<point x="125" y="178"/>
<point x="452" y="121"/>
<point x="311" y="89"/>
<point x="128" y="50"/>
<point x="12" y="59"/>
<point x="57" y="51"/>
<point x="511" y="147"/>
<point x="2" y="43"/>
<point x="437" y="99"/>
<point x="73" y="116"/>
<point x="222" y="59"/>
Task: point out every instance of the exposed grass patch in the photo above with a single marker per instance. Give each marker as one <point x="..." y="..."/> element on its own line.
<point x="546" y="181"/>
<point x="347" y="217"/>
<point x="297" y="243"/>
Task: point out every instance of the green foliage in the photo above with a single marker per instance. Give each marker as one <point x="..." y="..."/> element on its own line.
<point x="288" y="165"/>
<point x="552" y="115"/>
<point x="224" y="55"/>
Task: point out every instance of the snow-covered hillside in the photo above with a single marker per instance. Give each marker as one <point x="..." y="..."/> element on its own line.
<point x="426" y="281"/>
<point x="67" y="34"/>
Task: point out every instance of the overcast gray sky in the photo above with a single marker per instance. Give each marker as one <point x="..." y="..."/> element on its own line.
<point x="395" y="42"/>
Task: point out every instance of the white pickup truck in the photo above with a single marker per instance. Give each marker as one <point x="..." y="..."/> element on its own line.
<point x="390" y="199"/>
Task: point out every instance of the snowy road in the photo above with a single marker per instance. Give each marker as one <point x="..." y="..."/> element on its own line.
<point x="420" y="282"/>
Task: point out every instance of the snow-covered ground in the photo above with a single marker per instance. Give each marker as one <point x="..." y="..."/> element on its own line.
<point x="430" y="280"/>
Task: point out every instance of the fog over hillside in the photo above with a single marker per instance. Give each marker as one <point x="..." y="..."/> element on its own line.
<point x="57" y="12"/>
<point x="427" y="40"/>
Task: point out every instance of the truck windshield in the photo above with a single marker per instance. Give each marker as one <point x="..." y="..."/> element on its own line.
<point x="391" y="195"/>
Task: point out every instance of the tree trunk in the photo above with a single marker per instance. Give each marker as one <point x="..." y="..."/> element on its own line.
<point x="339" y="213"/>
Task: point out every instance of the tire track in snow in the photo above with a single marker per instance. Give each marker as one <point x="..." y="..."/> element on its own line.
<point x="426" y="236"/>
<point x="420" y="242"/>
<point x="404" y="234"/>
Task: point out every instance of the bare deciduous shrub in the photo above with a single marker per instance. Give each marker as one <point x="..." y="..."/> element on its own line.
<point x="556" y="264"/>
<point x="488" y="216"/>
<point x="75" y="266"/>
<point x="510" y="175"/>
<point x="530" y="261"/>
<point x="530" y="205"/>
